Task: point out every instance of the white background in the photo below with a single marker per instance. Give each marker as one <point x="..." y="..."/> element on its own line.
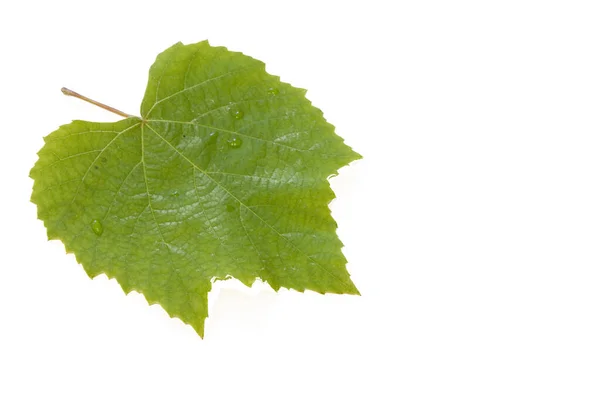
<point x="472" y="225"/>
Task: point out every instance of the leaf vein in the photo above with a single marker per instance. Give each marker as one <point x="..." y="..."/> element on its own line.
<point x="197" y="85"/>
<point x="167" y="245"/>
<point x="67" y="158"/>
<point x="228" y="131"/>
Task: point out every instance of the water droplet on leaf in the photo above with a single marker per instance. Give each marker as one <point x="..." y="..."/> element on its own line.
<point x="175" y="193"/>
<point x="239" y="115"/>
<point x="273" y="91"/>
<point x="234" y="143"/>
<point x="97" y="227"/>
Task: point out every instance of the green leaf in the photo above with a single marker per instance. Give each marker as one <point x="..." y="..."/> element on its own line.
<point x="225" y="174"/>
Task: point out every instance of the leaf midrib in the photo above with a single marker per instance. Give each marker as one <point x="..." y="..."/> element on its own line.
<point x="143" y="161"/>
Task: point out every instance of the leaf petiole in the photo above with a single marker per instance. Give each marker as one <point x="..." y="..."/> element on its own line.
<point x="69" y="92"/>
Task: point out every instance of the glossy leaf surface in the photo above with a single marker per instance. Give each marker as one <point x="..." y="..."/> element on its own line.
<point x="224" y="174"/>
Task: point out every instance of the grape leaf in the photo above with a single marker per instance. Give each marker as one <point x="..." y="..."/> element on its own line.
<point x="224" y="175"/>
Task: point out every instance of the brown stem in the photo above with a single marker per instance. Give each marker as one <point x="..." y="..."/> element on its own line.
<point x="69" y="92"/>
